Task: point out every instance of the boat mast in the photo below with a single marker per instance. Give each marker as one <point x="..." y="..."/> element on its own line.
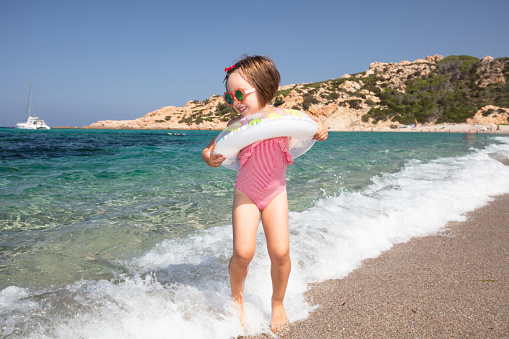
<point x="29" y="103"/>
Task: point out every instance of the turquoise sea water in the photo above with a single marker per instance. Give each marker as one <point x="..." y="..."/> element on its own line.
<point x="127" y="233"/>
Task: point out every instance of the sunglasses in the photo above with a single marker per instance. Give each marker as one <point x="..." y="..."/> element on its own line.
<point x="240" y="95"/>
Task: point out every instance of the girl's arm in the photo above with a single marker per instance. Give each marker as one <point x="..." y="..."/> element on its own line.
<point x="321" y="134"/>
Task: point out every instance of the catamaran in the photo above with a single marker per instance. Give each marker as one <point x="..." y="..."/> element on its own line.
<point x="32" y="122"/>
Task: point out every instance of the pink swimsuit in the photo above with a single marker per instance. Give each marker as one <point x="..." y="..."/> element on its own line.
<point x="262" y="173"/>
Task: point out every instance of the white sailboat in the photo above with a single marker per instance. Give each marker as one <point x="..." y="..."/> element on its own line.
<point x="32" y="122"/>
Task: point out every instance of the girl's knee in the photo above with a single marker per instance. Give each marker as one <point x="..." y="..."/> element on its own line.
<point x="242" y="258"/>
<point x="280" y="257"/>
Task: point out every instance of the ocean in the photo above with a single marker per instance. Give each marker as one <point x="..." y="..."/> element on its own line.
<point x="127" y="233"/>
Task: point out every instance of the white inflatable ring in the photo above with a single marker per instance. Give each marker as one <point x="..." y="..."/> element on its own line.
<point x="274" y="123"/>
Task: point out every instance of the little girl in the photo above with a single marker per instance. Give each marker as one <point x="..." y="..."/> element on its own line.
<point x="251" y="85"/>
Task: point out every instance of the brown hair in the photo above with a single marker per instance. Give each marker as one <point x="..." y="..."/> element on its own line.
<point x="261" y="72"/>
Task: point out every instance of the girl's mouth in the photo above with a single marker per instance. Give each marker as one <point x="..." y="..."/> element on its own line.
<point x="241" y="109"/>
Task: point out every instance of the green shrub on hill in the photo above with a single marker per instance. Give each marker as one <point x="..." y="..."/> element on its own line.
<point x="225" y="112"/>
<point x="309" y="100"/>
<point x="448" y="94"/>
<point x="284" y="92"/>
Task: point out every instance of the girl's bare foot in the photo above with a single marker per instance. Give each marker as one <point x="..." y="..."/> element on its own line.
<point x="279" y="322"/>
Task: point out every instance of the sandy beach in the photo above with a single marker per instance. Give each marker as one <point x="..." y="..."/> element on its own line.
<point x="451" y="285"/>
<point x="443" y="128"/>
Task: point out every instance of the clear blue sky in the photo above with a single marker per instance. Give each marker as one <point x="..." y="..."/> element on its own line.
<point x="100" y="60"/>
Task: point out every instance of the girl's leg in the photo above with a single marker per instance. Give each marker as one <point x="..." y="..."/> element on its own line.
<point x="275" y="224"/>
<point x="245" y="219"/>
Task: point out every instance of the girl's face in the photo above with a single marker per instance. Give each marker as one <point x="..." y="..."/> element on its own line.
<point x="251" y="104"/>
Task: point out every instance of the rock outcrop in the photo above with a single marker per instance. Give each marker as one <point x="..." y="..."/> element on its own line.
<point x="490" y="115"/>
<point x="358" y="100"/>
<point x="491" y="71"/>
<point x="172" y="117"/>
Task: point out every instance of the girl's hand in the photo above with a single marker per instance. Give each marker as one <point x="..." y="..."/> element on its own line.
<point x="213" y="160"/>
<point x="321" y="134"/>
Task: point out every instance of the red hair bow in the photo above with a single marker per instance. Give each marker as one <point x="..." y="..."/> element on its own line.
<point x="227" y="69"/>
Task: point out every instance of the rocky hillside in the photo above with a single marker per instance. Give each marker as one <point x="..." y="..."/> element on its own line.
<point x="426" y="91"/>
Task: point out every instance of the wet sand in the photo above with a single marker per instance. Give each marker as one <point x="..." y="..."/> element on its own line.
<point x="451" y="285"/>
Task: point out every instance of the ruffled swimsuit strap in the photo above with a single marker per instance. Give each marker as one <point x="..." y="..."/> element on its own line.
<point x="246" y="152"/>
<point x="284" y="144"/>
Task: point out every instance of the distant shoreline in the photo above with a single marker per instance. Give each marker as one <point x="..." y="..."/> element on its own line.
<point x="67" y="127"/>
<point x="439" y="128"/>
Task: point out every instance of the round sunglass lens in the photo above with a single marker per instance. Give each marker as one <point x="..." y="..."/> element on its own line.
<point x="239" y="95"/>
<point x="228" y="98"/>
